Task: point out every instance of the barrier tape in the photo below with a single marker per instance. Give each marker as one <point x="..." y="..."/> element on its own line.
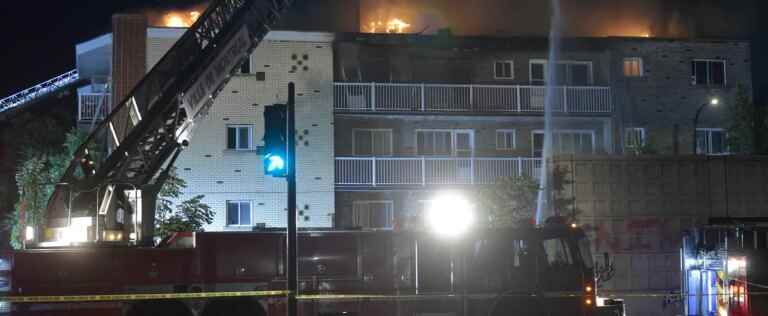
<point x="316" y="297"/>
<point x="135" y="297"/>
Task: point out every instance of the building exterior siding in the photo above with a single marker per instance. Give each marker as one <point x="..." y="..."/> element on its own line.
<point x="223" y="174"/>
<point x="665" y="96"/>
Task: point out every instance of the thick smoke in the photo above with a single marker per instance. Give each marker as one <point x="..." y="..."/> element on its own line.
<point x="659" y="18"/>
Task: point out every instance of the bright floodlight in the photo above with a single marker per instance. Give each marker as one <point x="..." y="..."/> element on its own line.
<point x="450" y="215"/>
<point x="714" y="101"/>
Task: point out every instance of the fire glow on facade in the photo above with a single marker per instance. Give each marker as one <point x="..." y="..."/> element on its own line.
<point x="180" y="19"/>
<point x="394" y="25"/>
<point x="175" y="17"/>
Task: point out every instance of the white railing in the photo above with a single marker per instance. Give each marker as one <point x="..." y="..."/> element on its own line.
<point x="89" y="103"/>
<point x="397" y="97"/>
<point x="383" y="171"/>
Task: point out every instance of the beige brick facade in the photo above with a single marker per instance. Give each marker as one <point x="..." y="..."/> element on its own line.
<point x="225" y="175"/>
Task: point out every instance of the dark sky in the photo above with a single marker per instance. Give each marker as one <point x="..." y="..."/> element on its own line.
<point x="39" y="36"/>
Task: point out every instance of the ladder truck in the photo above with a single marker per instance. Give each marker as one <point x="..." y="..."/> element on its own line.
<point x="544" y="270"/>
<point x="146" y="131"/>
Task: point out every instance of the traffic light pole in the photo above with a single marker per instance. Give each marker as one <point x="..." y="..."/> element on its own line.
<point x="292" y="239"/>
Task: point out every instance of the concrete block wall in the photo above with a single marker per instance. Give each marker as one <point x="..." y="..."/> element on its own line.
<point x="636" y="209"/>
<point x="222" y="175"/>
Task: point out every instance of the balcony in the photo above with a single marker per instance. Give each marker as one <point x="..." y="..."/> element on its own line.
<point x="89" y="103"/>
<point x="436" y="98"/>
<point x="426" y="171"/>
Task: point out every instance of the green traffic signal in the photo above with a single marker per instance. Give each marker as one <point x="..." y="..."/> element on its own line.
<point x="275" y="140"/>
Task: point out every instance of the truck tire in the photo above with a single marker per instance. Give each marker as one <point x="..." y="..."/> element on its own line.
<point x="158" y="308"/>
<point x="234" y="307"/>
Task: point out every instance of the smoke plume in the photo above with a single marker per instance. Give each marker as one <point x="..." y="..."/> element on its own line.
<point x="658" y="18"/>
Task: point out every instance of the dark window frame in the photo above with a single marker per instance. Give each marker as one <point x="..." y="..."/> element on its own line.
<point x="707" y="78"/>
<point x="240" y="213"/>
<point x="234" y="139"/>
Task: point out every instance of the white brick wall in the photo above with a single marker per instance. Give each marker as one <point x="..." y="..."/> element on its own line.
<point x="221" y="175"/>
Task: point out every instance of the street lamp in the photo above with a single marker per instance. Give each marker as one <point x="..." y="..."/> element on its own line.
<point x="712" y="102"/>
<point x="450" y="215"/>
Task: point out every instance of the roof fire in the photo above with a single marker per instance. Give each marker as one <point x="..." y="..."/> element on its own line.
<point x="183" y="17"/>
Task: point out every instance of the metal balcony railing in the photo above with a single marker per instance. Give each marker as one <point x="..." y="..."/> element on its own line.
<point x="396" y="97"/>
<point x="91" y="102"/>
<point x="424" y="171"/>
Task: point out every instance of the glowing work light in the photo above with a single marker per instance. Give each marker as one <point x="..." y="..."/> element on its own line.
<point x="450" y="215"/>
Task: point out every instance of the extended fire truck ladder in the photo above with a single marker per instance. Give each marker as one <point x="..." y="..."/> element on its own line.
<point x="145" y="132"/>
<point x="42" y="89"/>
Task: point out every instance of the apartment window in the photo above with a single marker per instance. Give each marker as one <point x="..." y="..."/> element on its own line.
<point x="434" y="143"/>
<point x="569" y="73"/>
<point x="503" y="69"/>
<point x="245" y="67"/>
<point x="372" y="142"/>
<point x="708" y="72"/>
<point x="373" y="214"/>
<point x="633" y="67"/>
<point x="711" y="141"/>
<point x="238" y="213"/>
<point x="565" y="142"/>
<point x="261" y="76"/>
<point x="458" y="143"/>
<point x="634" y="138"/>
<point x="506" y="139"/>
<point x="240" y="137"/>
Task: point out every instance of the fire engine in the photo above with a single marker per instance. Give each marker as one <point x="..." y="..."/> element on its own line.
<point x="532" y="271"/>
<point x="721" y="264"/>
<point x="544" y="270"/>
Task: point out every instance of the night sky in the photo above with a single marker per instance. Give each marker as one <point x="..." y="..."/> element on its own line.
<point x="40" y="35"/>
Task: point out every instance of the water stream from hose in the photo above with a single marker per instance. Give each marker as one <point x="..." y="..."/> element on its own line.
<point x="543" y="200"/>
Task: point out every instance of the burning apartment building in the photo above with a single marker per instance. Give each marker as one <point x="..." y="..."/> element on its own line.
<point x="396" y="102"/>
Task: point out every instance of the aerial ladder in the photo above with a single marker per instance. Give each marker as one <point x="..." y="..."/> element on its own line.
<point x="145" y="132"/>
<point x="39" y="91"/>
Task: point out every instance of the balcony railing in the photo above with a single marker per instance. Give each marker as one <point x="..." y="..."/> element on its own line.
<point x="89" y="103"/>
<point x="424" y="171"/>
<point x="395" y="97"/>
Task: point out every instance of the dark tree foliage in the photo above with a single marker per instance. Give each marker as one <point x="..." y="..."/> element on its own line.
<point x="39" y="170"/>
<point x="188" y="216"/>
<point x="511" y="202"/>
<point x="746" y="122"/>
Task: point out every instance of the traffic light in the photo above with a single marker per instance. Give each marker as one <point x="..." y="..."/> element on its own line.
<point x="275" y="140"/>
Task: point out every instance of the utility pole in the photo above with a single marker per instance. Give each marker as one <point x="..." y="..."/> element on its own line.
<point x="292" y="239"/>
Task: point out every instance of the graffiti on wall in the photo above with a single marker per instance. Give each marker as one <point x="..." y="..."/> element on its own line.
<point x="637" y="234"/>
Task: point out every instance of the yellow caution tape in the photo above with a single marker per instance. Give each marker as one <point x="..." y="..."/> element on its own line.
<point x="165" y="296"/>
<point x="135" y="297"/>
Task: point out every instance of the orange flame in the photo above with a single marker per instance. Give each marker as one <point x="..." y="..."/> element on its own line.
<point x="180" y="19"/>
<point x="394" y="25"/>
